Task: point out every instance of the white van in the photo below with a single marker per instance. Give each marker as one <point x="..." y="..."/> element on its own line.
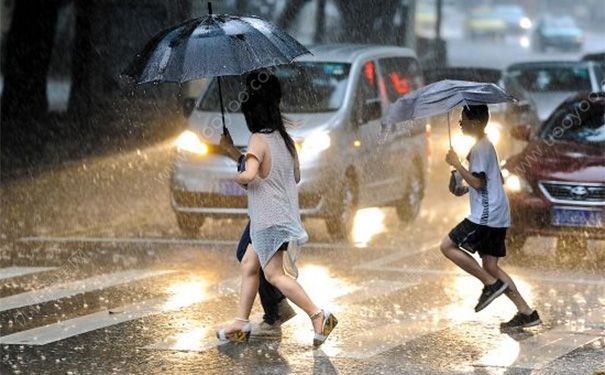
<point x="335" y="99"/>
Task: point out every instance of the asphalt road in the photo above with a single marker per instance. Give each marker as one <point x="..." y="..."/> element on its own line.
<point x="96" y="279"/>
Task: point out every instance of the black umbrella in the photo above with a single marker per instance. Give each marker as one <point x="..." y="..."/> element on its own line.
<point x="213" y="46"/>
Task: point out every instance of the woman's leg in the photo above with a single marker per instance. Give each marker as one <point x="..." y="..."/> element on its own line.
<point x="274" y="272"/>
<point x="250" y="267"/>
<point x="490" y="264"/>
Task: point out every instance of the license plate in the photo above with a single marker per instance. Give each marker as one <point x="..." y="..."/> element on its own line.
<point x="227" y="187"/>
<point x="577" y="217"/>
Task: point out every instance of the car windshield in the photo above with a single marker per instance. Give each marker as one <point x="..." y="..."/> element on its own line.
<point x="582" y="121"/>
<point x="306" y="86"/>
<point x="553" y="78"/>
<point x="560" y="22"/>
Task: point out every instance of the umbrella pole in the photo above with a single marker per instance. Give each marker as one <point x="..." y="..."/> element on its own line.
<point x="449" y="131"/>
<point x="220" y="95"/>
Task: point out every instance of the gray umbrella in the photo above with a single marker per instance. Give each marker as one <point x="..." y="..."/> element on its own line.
<point x="443" y="96"/>
<point x="213" y="46"/>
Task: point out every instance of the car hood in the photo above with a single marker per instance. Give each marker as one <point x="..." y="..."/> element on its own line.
<point x="560" y="161"/>
<point x="547" y="102"/>
<point x="208" y="125"/>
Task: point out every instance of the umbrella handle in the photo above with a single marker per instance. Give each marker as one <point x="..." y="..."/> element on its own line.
<point x="220" y="95"/>
<point x="209" y="7"/>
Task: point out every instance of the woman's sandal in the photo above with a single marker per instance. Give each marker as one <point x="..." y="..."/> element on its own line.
<point x="237" y="336"/>
<point x="328" y="325"/>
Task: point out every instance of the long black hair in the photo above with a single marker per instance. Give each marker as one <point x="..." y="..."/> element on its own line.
<point x="261" y="109"/>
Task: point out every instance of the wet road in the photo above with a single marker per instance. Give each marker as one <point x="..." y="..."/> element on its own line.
<point x="96" y="279"/>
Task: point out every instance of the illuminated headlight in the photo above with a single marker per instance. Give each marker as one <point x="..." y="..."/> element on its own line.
<point x="314" y="144"/>
<point x="514" y="183"/>
<point x="462" y="143"/>
<point x="190" y="142"/>
<point x="492" y="130"/>
<point x="525" y="23"/>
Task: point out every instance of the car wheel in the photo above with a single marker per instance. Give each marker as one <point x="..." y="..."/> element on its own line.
<point x="340" y="224"/>
<point x="409" y="207"/>
<point x="189" y="224"/>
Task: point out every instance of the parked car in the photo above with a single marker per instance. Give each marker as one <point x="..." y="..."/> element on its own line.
<point x="556" y="186"/>
<point x="545" y="84"/>
<point x="336" y="99"/>
<point x="559" y="32"/>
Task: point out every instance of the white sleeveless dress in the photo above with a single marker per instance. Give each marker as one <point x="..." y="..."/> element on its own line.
<point x="273" y="207"/>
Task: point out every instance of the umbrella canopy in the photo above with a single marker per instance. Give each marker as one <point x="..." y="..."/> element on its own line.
<point x="443" y="96"/>
<point x="211" y="46"/>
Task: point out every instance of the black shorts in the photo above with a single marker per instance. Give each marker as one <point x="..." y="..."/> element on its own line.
<point x="479" y="238"/>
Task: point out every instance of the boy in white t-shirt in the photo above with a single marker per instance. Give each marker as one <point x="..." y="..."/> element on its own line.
<point x="484" y="230"/>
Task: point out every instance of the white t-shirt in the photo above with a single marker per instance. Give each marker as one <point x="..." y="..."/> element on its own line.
<point x="489" y="206"/>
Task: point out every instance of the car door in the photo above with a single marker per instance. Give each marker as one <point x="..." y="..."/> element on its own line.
<point x="402" y="144"/>
<point x="366" y="115"/>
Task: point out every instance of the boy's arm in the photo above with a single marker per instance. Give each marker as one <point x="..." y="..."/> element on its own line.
<point x="475" y="181"/>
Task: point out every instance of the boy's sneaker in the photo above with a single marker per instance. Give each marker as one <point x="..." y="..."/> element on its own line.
<point x="490" y="293"/>
<point x="521" y="320"/>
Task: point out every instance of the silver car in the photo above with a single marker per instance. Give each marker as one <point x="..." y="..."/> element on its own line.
<point x="334" y="101"/>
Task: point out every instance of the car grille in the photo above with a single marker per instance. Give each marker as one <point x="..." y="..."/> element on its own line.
<point x="211" y="200"/>
<point x="576" y="193"/>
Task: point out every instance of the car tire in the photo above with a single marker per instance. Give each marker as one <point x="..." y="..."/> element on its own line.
<point x="340" y="223"/>
<point x="189" y="224"/>
<point x="409" y="206"/>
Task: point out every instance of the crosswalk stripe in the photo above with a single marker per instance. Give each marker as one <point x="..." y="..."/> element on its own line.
<point x="203" y="338"/>
<point x="9" y="272"/>
<point x="102" y="319"/>
<point x="181" y="241"/>
<point x="395" y="256"/>
<point x="76" y="287"/>
<point x="543" y="348"/>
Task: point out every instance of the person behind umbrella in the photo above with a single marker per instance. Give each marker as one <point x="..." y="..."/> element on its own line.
<point x="484" y="230"/>
<point x="271" y="174"/>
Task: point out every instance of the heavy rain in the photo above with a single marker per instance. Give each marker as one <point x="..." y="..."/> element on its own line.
<point x="439" y="188"/>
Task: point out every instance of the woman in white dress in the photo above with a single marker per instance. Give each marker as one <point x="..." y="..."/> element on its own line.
<point x="271" y="174"/>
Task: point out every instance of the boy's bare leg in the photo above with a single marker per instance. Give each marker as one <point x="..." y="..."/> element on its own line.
<point x="490" y="264"/>
<point x="466" y="262"/>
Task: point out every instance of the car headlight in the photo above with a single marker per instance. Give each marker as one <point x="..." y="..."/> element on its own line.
<point x="514" y="183"/>
<point x="525" y="23"/>
<point x="314" y="144"/>
<point x="190" y="142"/>
<point x="492" y="130"/>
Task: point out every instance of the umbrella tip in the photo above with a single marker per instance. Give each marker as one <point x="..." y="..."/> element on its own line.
<point x="209" y="7"/>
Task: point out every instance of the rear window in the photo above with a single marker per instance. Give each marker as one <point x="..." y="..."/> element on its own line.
<point x="555" y="78"/>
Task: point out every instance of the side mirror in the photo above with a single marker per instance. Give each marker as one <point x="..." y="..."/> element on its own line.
<point x="521" y="132"/>
<point x="371" y="111"/>
<point x="188" y="105"/>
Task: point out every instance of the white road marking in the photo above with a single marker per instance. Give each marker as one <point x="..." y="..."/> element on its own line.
<point x="72" y="288"/>
<point x="393" y="257"/>
<point x="559" y="277"/>
<point x="183" y="241"/>
<point x="102" y="319"/>
<point x="9" y="272"/>
<point x="203" y="338"/>
<point x="543" y="348"/>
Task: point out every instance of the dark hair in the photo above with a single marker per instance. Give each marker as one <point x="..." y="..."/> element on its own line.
<point x="477" y="113"/>
<point x="261" y="110"/>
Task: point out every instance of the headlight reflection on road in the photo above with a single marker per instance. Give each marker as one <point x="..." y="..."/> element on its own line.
<point x="186" y="293"/>
<point x="324" y="289"/>
<point x="368" y="223"/>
